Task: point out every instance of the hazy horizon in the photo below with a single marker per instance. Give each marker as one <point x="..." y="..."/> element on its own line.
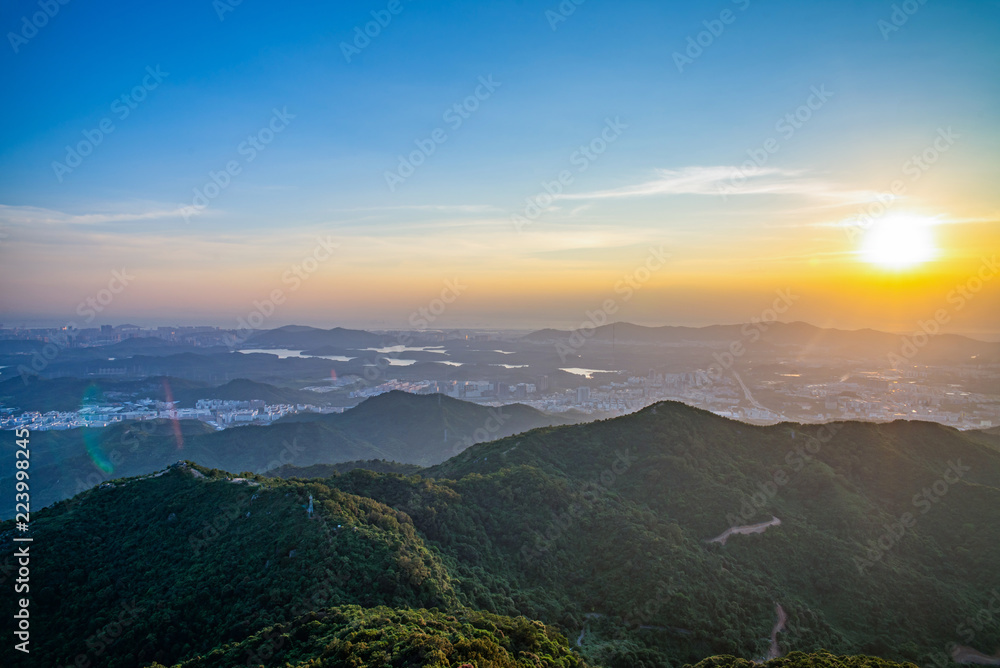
<point x="507" y="328"/>
<point x="680" y="147"/>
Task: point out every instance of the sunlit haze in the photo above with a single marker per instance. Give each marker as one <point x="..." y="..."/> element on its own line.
<point x="533" y="159"/>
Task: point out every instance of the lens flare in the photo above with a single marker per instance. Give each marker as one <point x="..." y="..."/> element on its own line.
<point x="175" y="423"/>
<point x="91" y="437"/>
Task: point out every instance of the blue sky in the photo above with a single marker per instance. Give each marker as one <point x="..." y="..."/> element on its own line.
<point x="324" y="174"/>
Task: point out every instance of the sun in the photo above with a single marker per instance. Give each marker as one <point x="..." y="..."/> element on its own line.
<point x="900" y="241"/>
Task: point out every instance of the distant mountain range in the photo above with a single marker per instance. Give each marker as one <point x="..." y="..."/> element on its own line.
<point x="805" y="338"/>
<point x="242" y="389"/>
<point x="877" y="539"/>
<point x="544" y="352"/>
<point x="300" y="337"/>
<point x="405" y="428"/>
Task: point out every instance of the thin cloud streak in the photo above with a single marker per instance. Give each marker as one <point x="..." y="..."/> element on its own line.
<point x="438" y="208"/>
<point x="726" y="181"/>
<point x="30" y="215"/>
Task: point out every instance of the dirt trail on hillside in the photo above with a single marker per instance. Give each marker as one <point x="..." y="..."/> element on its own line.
<point x="745" y="529"/>
<point x="963" y="654"/>
<point x="774" y="651"/>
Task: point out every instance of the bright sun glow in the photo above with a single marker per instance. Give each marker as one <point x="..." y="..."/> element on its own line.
<point x="900" y="241"/>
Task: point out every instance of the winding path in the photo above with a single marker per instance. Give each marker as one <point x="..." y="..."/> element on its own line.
<point x="964" y="654"/>
<point x="745" y="529"/>
<point x="774" y="651"/>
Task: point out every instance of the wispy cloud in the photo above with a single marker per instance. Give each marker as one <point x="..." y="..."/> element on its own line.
<point x="30" y="215"/>
<point x="915" y="218"/>
<point x="726" y="181"/>
<point x="434" y="208"/>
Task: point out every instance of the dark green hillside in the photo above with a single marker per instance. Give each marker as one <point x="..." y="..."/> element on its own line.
<point x="802" y="660"/>
<point x="886" y="545"/>
<point x="353" y="636"/>
<point x="410" y="429"/>
<point x="185" y="562"/>
<point x="329" y="470"/>
<point x="444" y="425"/>
<point x="701" y="474"/>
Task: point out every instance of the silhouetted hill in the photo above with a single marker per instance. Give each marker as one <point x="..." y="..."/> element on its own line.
<point x="246" y="390"/>
<point x="301" y="338"/>
<point x="152" y="346"/>
<point x="400" y="427"/>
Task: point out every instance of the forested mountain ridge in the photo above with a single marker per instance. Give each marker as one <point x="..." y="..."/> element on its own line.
<point x="603" y="531"/>
<point x="405" y="428"/>
<point x="354" y="636"/>
<point x="196" y="558"/>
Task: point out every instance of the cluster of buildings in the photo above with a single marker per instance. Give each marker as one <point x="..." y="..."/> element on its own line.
<point x="878" y="396"/>
<point x="105" y="335"/>
<point x="217" y="413"/>
<point x="890" y="395"/>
